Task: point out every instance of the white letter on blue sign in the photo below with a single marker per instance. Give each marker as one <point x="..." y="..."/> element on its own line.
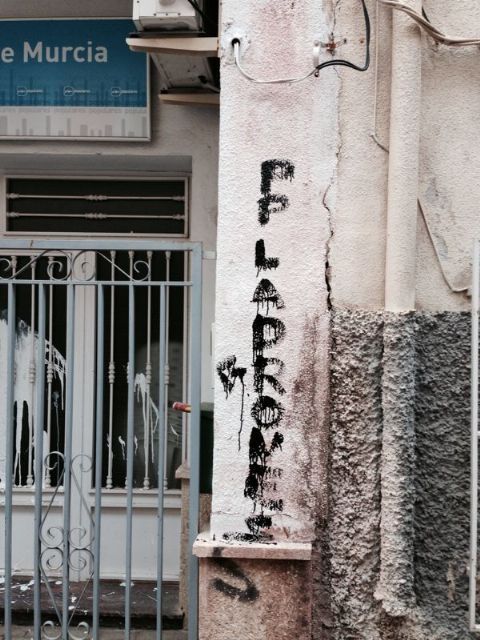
<point x="33" y="54"/>
<point x="7" y="55"/>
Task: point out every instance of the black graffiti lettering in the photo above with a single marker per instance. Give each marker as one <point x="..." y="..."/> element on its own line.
<point x="275" y="170"/>
<point x="247" y="592"/>
<point x="277" y="441"/>
<point x="257" y="522"/>
<point x="267" y="332"/>
<point x="229" y="373"/>
<point x="255" y="484"/>
<point x="260" y="377"/>
<point x="274" y="472"/>
<point x="261" y="261"/>
<point x="252" y="486"/>
<point x="271" y="505"/>
<point x="267" y="412"/>
<point x="269" y="485"/>
<point x="273" y="203"/>
<point x="257" y="448"/>
<point x="265" y="295"/>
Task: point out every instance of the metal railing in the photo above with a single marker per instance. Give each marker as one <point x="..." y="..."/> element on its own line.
<point x="107" y="297"/>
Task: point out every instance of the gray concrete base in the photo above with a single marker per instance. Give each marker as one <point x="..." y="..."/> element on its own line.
<point x="255" y="599"/>
<point x="26" y="633"/>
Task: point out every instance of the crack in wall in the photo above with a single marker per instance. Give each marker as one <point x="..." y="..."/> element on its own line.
<point x="328" y="243"/>
<point x="335" y="6"/>
<point x="328" y="208"/>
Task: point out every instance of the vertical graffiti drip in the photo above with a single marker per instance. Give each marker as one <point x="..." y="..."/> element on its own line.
<point x="229" y="374"/>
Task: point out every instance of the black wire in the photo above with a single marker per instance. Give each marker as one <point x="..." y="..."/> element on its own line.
<point x="346" y="63"/>
<point x="424" y="13"/>
<point x="203" y="15"/>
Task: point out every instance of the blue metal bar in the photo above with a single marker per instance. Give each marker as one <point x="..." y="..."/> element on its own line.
<point x="195" y="394"/>
<point x="128" y="244"/>
<point x="162" y="430"/>
<point x="130" y="454"/>
<point x="9" y="457"/>
<point x="38" y="430"/>
<point x="98" y="457"/>
<point x="67" y="494"/>
<point x="90" y="283"/>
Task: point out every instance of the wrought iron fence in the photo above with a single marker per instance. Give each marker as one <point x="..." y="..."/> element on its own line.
<point x="96" y="339"/>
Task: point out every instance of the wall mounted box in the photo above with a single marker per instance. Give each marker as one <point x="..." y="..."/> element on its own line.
<point x="166" y="15"/>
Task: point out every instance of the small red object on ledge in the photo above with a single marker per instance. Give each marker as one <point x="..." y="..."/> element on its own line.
<point x="182" y="406"/>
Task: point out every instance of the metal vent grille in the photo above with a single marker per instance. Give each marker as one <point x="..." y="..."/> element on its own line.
<point x="97" y="206"/>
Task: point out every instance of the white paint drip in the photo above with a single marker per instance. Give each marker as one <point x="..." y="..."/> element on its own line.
<point x="123" y="445"/>
<point x="150" y="414"/>
<point x="23" y="395"/>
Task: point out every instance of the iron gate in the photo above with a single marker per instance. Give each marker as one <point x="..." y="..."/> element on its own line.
<point x="95" y="338"/>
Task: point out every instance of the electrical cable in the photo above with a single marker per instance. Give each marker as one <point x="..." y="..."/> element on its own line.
<point x="337" y="62"/>
<point x="427" y="26"/>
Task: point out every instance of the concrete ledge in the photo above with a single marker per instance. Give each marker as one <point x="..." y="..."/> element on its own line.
<point x="205" y="547"/>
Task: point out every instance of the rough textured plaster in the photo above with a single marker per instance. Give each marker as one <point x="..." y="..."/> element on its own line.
<point x="395" y="586"/>
<point x="356" y="426"/>
<point x="441" y="478"/>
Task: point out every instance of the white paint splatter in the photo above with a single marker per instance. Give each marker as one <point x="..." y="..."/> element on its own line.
<point x="26" y="587"/>
<point x="123" y="445"/>
<point x="23" y="392"/>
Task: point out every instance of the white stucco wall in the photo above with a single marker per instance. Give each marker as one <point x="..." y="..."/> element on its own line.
<point x="182" y="137"/>
<point x="298" y="124"/>
<point x="449" y="179"/>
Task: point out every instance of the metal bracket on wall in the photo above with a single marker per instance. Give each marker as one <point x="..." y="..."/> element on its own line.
<point x="206" y="47"/>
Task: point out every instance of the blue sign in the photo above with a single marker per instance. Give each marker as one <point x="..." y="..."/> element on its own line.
<point x="77" y="64"/>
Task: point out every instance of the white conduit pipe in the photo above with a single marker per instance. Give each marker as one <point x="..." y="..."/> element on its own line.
<point x="395" y="588"/>
<point x="402" y="208"/>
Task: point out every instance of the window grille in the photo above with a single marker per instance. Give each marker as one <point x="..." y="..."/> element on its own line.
<point x="93" y="205"/>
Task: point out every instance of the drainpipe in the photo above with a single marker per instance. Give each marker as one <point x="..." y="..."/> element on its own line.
<point x="396" y="584"/>
<point x="403" y="164"/>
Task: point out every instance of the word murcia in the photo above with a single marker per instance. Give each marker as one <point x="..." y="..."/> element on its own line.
<point x="40" y="53"/>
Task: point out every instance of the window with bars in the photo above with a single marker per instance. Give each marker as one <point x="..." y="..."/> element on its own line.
<point x="97" y="205"/>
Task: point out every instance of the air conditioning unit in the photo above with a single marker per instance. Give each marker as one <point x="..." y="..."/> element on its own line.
<point x="183" y="72"/>
<point x="166" y="15"/>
